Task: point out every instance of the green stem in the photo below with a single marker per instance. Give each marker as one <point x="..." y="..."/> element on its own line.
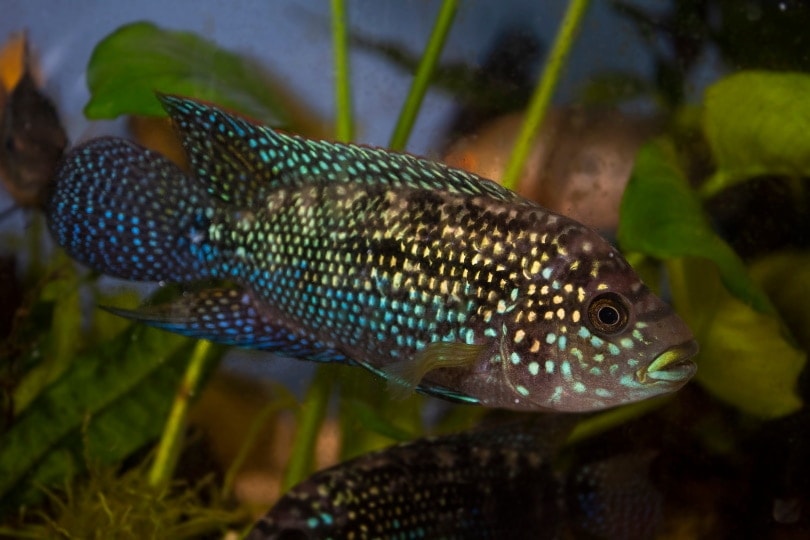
<point x="430" y="58"/>
<point x="544" y="90"/>
<point x="344" y="130"/>
<point x="310" y="419"/>
<point x="171" y="442"/>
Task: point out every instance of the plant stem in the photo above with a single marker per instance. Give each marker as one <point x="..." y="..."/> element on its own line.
<point x="171" y="441"/>
<point x="430" y="58"/>
<point x="344" y="130"/>
<point x="544" y="90"/>
<point x="310" y="418"/>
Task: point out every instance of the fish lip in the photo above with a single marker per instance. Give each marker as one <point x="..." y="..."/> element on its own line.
<point x="671" y="366"/>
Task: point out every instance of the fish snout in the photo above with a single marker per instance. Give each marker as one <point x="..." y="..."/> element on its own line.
<point x="673" y="366"/>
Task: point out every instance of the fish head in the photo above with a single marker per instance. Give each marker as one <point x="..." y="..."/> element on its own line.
<point x="599" y="336"/>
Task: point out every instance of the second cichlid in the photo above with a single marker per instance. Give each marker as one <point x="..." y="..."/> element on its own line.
<point x="428" y="276"/>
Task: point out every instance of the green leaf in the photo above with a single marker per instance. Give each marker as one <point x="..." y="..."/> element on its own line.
<point x="756" y="123"/>
<point x="61" y="337"/>
<point x="661" y="217"/>
<point x="747" y="358"/>
<point x="786" y="278"/>
<point x="129" y="65"/>
<point x="108" y="403"/>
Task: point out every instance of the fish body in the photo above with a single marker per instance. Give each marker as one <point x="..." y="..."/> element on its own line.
<point x="477" y="485"/>
<point x="429" y="276"/>
<point x="32" y="138"/>
<point x="493" y="483"/>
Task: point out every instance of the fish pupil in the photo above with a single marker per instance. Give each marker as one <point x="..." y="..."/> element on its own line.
<point x="609" y="315"/>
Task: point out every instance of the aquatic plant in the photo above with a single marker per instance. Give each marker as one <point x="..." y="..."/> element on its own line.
<point x="88" y="394"/>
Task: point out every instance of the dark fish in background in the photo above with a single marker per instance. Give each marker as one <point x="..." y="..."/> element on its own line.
<point x="32" y="140"/>
<point x="494" y="483"/>
<point x="428" y="276"/>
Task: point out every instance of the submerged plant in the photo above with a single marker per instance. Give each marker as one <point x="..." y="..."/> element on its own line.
<point x="101" y="388"/>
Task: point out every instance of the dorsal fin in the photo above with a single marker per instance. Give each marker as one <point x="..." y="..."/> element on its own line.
<point x="240" y="161"/>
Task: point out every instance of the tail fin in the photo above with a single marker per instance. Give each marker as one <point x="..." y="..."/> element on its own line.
<point x="129" y="212"/>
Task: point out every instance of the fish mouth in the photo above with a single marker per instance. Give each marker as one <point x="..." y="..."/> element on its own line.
<point x="671" y="366"/>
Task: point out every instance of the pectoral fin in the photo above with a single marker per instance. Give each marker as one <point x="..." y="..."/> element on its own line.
<point x="403" y="376"/>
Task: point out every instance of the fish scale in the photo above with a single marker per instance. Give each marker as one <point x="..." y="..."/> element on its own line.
<point x="487" y="483"/>
<point x="428" y="276"/>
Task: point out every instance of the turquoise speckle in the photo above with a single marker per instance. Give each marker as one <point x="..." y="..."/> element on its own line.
<point x="565" y="369"/>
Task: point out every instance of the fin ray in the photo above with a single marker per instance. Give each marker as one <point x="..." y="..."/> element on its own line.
<point x="404" y="376"/>
<point x="229" y="317"/>
<point x="241" y="161"/>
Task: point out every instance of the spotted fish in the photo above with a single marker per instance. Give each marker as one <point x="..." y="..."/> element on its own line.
<point x="429" y="276"/>
<point x="494" y="483"/>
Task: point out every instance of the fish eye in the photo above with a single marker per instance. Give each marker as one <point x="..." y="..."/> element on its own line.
<point x="608" y="313"/>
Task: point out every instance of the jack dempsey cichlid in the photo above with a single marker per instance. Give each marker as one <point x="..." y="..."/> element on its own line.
<point x="429" y="276"/>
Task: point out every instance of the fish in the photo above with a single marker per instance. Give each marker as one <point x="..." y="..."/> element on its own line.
<point x="32" y="138"/>
<point x="494" y="483"/>
<point x="433" y="278"/>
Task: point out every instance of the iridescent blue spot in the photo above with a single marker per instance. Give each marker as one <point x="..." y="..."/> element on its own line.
<point x="597" y="342"/>
<point x="565" y="369"/>
<point x="583" y="332"/>
<point x="562" y="341"/>
<point x="613" y="349"/>
<point x="551" y="338"/>
<point x="514" y="358"/>
<point x="602" y="392"/>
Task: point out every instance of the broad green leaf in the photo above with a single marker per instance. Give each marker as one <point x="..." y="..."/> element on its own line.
<point x="61" y="341"/>
<point x="747" y="358"/>
<point x="109" y="402"/>
<point x="131" y="64"/>
<point x="756" y="123"/>
<point x="786" y="278"/>
<point x="661" y="217"/>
